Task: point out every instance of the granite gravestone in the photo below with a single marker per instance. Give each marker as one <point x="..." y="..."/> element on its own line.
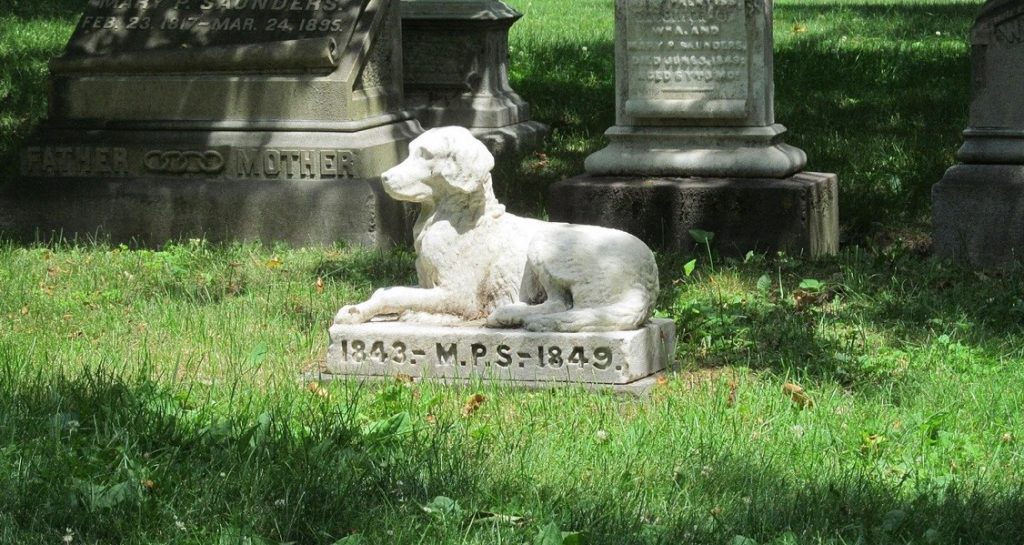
<point x="695" y="145"/>
<point x="456" y="71"/>
<point x="978" y="206"/>
<point x="231" y="119"/>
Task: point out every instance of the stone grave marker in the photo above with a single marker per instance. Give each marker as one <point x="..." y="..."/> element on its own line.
<point x="502" y="297"/>
<point x="695" y="145"/>
<point x="978" y="206"/>
<point x="456" y="71"/>
<point x="231" y="119"/>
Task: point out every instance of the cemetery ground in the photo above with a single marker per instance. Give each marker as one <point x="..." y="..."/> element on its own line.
<point x="151" y="395"/>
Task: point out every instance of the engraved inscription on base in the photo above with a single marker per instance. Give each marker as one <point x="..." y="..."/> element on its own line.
<point x="370" y="352"/>
<point x="421" y="350"/>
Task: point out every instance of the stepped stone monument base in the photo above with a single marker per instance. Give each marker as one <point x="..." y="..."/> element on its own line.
<point x="978" y="207"/>
<point x="695" y="144"/>
<point x="797" y="214"/>
<point x="979" y="214"/>
<point x="514" y="355"/>
<point x="150" y="186"/>
<point x="697" y="151"/>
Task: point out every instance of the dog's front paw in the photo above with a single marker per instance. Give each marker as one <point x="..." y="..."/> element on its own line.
<point x="349" y="314"/>
<point x="506" y="316"/>
<point x="539" y="323"/>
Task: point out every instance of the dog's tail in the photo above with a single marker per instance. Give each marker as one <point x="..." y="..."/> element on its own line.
<point x="631" y="311"/>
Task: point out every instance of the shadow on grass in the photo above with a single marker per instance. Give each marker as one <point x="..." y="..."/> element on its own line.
<point x="759" y="502"/>
<point x="131" y="462"/>
<point x="118" y="460"/>
<point x="882" y="107"/>
<point x="879" y="317"/>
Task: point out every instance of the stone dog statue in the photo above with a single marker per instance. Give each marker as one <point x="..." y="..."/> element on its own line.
<point x="476" y="261"/>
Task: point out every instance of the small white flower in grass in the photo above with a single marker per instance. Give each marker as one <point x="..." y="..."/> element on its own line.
<point x="584" y="49"/>
<point x="797" y="430"/>
<point x="280" y="502"/>
<point x="222" y="474"/>
<point x="747" y="500"/>
<point x="938" y="33"/>
<point x="69" y="535"/>
<point x="601" y="436"/>
<point x="705" y="471"/>
<point x="179" y="524"/>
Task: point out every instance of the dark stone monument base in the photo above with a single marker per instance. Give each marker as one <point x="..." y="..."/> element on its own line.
<point x="153" y="211"/>
<point x="151" y="186"/>
<point x="512" y="139"/>
<point x="798" y="215"/>
<point x="978" y="214"/>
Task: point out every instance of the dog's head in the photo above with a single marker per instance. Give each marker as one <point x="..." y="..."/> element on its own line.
<point x="440" y="160"/>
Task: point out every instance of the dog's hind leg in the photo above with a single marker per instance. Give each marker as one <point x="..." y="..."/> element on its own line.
<point x="630" y="312"/>
<point x="534" y="286"/>
<point x="515" y="314"/>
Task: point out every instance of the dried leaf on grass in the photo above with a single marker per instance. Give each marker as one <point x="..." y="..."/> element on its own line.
<point x="803" y="299"/>
<point x="316" y="389"/>
<point x="473" y="403"/>
<point x="798" y="395"/>
<point x="733" y="387"/>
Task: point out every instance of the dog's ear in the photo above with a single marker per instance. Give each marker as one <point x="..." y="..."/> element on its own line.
<point x="468" y="164"/>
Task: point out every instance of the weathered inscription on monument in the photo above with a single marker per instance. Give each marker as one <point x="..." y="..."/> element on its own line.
<point x="237" y="163"/>
<point x="111" y="26"/>
<point x="1009" y="30"/>
<point x="687" y="58"/>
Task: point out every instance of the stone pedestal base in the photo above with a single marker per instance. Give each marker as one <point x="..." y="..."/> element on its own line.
<point x="151" y="186"/>
<point x="512" y="139"/>
<point x="392" y="348"/>
<point x="798" y="214"/>
<point x="748" y="152"/>
<point x="154" y="211"/>
<point x="978" y="214"/>
<point x="502" y="123"/>
<point x="455" y="59"/>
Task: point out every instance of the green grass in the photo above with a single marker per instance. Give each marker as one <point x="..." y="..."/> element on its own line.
<point x="152" y="395"/>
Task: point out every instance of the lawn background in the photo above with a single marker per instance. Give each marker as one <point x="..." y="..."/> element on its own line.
<point x="150" y="395"/>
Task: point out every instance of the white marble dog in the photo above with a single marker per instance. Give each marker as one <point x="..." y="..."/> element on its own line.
<point x="474" y="260"/>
